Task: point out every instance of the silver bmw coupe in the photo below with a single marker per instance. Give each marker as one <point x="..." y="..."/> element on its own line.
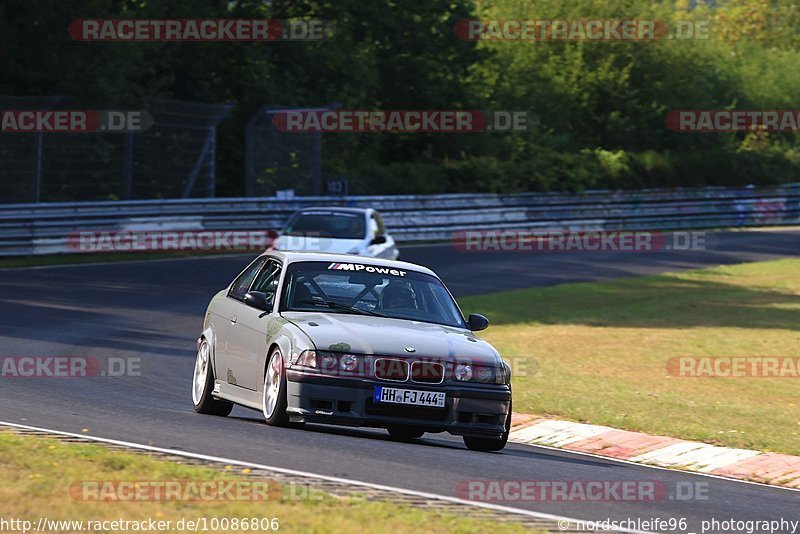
<point x="336" y="339"/>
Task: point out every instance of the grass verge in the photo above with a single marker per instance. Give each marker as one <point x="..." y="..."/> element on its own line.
<point x="39" y="476"/>
<point x="598" y="352"/>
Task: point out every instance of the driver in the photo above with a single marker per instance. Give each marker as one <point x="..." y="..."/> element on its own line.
<point x="395" y="296"/>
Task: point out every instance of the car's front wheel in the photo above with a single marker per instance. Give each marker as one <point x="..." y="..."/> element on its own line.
<point x="203" y="385"/>
<point x="490" y="444"/>
<point x="274" y="397"/>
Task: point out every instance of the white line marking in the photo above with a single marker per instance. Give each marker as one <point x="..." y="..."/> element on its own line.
<point x="413" y="493"/>
<point x="127" y="262"/>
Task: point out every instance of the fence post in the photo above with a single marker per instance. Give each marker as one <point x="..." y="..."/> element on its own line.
<point x="37" y="168"/>
<point x="212" y="186"/>
<point x="316" y="169"/>
<point x="208" y="149"/>
<point x="127" y="167"/>
<point x="249" y="155"/>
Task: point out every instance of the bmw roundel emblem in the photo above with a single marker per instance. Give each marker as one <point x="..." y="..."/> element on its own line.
<point x="411" y="349"/>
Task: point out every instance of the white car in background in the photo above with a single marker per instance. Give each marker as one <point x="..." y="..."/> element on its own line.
<point x="357" y="231"/>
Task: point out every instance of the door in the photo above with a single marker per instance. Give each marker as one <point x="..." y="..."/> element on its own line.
<point x="229" y="312"/>
<point x="247" y="347"/>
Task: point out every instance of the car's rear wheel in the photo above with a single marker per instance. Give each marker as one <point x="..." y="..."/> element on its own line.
<point x="490" y="444"/>
<point x="274" y="396"/>
<point x="203" y="385"/>
<point x="404" y="433"/>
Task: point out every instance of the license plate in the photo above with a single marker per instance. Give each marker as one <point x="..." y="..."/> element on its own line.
<point x="414" y="397"/>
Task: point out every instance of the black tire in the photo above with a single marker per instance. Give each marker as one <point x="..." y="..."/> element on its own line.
<point x="404" y="433"/>
<point x="490" y="444"/>
<point x="206" y="403"/>
<point x="278" y="417"/>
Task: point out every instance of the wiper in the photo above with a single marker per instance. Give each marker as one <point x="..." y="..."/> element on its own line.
<point x="338" y="306"/>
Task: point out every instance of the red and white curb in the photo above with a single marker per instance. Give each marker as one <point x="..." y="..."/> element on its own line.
<point x="763" y="467"/>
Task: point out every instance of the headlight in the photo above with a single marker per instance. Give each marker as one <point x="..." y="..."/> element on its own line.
<point x="483" y="374"/>
<point x="308" y="358"/>
<point x="463" y="372"/>
<point x="329" y="361"/>
<point x="348" y="362"/>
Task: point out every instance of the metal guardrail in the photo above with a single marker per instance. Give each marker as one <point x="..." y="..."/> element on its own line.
<point x="43" y="228"/>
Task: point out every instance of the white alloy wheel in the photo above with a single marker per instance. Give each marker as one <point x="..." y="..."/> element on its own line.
<point x="200" y="373"/>
<point x="272" y="385"/>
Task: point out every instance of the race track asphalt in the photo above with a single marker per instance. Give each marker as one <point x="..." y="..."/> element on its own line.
<point x="153" y="311"/>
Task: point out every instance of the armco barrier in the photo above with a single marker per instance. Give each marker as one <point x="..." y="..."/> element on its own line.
<point x="43" y="228"/>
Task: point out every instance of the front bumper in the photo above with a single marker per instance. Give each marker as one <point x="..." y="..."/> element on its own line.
<point x="470" y="410"/>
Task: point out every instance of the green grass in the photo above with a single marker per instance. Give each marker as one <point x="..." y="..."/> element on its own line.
<point x="36" y="475"/>
<point x="598" y="352"/>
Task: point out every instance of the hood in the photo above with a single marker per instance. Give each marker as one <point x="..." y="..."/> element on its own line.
<point x="317" y="244"/>
<point x="362" y="334"/>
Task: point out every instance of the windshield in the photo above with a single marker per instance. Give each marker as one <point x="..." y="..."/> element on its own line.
<point x="331" y="224"/>
<point x="370" y="290"/>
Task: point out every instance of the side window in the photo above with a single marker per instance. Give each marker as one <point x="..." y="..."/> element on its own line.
<point x="381" y="228"/>
<point x="267" y="279"/>
<point x="242" y="284"/>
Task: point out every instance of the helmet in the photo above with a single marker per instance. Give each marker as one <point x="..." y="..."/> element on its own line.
<point x="396" y="296"/>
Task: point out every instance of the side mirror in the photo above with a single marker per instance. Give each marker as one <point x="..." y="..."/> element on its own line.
<point x="378" y="240"/>
<point x="477" y="322"/>
<point x="258" y="300"/>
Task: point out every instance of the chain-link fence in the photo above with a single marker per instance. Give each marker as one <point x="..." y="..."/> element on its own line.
<point x="173" y="158"/>
<point x="277" y="160"/>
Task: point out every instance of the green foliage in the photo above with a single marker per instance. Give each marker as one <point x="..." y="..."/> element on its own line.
<point x="610" y="99"/>
<point x="602" y="105"/>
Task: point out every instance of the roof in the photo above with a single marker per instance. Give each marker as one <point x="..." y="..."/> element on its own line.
<point x="294" y="256"/>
